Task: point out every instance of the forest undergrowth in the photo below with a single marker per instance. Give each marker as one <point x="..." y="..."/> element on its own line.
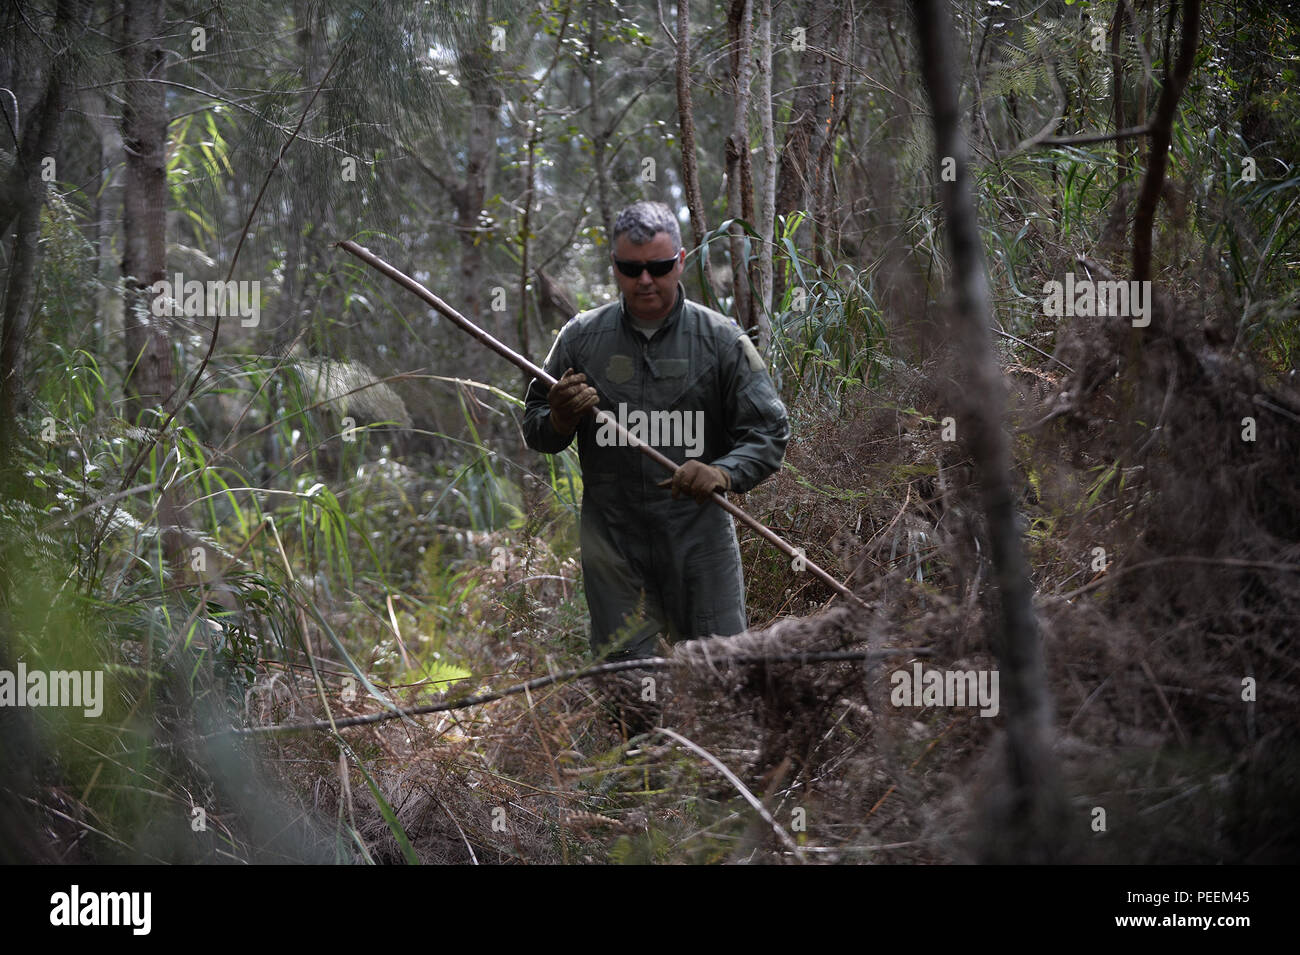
<point x="340" y="522"/>
<point x="1163" y="547"/>
<point x="1163" y="553"/>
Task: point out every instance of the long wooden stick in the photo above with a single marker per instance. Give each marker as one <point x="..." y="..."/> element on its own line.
<point x="798" y="557"/>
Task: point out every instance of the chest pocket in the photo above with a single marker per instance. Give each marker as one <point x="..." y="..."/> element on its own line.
<point x="620" y="368"/>
<point x="666" y="381"/>
<point x="616" y="377"/>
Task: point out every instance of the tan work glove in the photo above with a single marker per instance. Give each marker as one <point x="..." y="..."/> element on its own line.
<point x="570" y="398"/>
<point x="697" y="479"/>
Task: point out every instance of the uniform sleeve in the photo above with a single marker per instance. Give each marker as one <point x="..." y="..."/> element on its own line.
<point x="756" y="417"/>
<point x="538" y="432"/>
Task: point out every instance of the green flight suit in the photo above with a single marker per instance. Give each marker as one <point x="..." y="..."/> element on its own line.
<point x="652" y="565"/>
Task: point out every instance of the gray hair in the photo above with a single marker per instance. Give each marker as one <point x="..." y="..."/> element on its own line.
<point x="642" y="221"/>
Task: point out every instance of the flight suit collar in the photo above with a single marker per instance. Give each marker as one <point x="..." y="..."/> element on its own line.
<point x="669" y="320"/>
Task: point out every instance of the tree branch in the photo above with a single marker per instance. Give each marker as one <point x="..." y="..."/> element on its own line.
<point x="1086" y="138"/>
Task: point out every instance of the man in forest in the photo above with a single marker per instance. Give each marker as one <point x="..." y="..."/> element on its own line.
<point x="658" y="559"/>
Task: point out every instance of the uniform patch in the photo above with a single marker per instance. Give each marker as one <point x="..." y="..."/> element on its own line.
<point x="619" y="369"/>
<point x="751" y="353"/>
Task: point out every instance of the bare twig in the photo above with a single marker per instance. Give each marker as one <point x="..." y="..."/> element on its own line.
<point x="740" y="788"/>
<point x="464" y="838"/>
<point x="1164" y="701"/>
<point x="1021" y="341"/>
<point x="1110" y="575"/>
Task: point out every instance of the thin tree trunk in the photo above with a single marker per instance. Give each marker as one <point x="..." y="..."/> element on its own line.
<point x="1027" y="829"/>
<point x="1144" y="97"/>
<point x="24" y="193"/>
<point x="599" y="137"/>
<point x="1161" y="136"/>
<point x="150" y="379"/>
<point x="530" y="178"/>
<point x="740" y="184"/>
<point x="807" y="119"/>
<point x="308" y="213"/>
<point x="686" y="122"/>
<point x="40" y="139"/>
<point x="525" y="226"/>
<point x="1117" y="89"/>
<point x="108" y="227"/>
<point x="1115" y="234"/>
<point x="485" y="102"/>
<point x="18" y="299"/>
<point x="824" y="181"/>
<point x="766" y="223"/>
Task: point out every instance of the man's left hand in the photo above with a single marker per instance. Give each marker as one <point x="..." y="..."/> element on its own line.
<point x="697" y="479"/>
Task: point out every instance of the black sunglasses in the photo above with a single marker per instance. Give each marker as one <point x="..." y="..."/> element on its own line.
<point x="657" y="268"/>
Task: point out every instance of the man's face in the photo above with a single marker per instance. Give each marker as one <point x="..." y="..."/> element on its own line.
<point x="649" y="298"/>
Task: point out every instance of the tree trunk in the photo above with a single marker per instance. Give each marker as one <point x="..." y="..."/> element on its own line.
<point x="766" y="223"/>
<point x="686" y="121"/>
<point x="1115" y="233"/>
<point x="535" y="101"/>
<point x="525" y="227"/>
<point x="824" y="181"/>
<point x="24" y="196"/>
<point x="1161" y="135"/>
<point x="108" y="228"/>
<point x="740" y="185"/>
<point x="485" y="102"/>
<point x="1144" y="95"/>
<point x="307" y="209"/>
<point x="599" y="136"/>
<point x="1117" y="90"/>
<point x="1027" y="827"/>
<point x="149" y="380"/>
<point x="40" y="137"/>
<point x="807" y="120"/>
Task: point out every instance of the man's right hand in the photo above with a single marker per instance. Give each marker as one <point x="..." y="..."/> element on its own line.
<point x="570" y="398"/>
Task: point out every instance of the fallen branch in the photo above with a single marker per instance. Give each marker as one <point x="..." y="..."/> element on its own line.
<point x="646" y="663"/>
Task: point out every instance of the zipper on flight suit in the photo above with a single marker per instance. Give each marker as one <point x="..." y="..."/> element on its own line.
<point x="649" y="363"/>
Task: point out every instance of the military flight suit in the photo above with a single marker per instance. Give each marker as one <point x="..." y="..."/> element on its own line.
<point x="652" y="565"/>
